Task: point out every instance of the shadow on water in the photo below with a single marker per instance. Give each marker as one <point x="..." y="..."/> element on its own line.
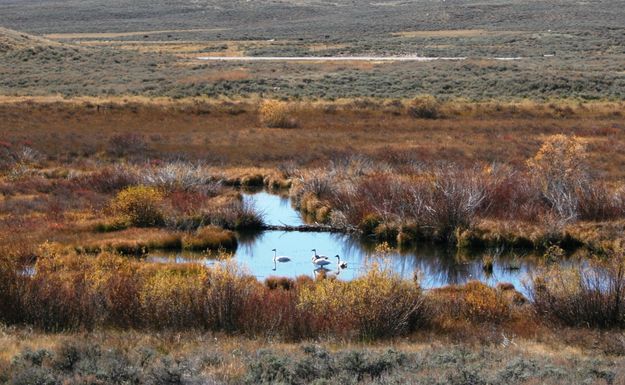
<point x="434" y="265"/>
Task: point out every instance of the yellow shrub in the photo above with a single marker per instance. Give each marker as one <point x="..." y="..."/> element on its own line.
<point x="560" y="158"/>
<point x="277" y="114"/>
<point x="376" y="304"/>
<point x="173" y="297"/>
<point x="560" y="167"/>
<point x="139" y="205"/>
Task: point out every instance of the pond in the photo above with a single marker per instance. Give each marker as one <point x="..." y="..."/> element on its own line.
<point x="434" y="265"/>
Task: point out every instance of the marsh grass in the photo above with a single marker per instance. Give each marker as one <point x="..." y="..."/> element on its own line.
<point x="592" y="295"/>
<point x="210" y="238"/>
<point x="453" y="204"/>
<point x="138" y="243"/>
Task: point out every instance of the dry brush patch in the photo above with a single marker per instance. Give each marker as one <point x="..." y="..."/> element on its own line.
<point x="229" y="133"/>
<point x="554" y="192"/>
<point x="592" y="295"/>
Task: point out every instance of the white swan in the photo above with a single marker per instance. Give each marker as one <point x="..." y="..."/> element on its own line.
<point x="318" y="256"/>
<point x="319" y="260"/>
<point x="342" y="265"/>
<point x="281" y="258"/>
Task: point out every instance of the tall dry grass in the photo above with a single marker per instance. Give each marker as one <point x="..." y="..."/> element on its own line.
<point x="378" y="304"/>
<point x="69" y="292"/>
<point x="592" y="295"/>
<point x="277" y="114"/>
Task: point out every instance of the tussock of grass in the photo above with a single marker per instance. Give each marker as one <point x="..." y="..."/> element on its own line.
<point x="277" y="114"/>
<point x="210" y="238"/>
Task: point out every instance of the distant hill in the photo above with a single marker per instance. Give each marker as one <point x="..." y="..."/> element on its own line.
<point x="11" y="40"/>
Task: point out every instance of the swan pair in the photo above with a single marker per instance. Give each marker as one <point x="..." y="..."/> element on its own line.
<point x="317" y="260"/>
<point x="322" y="260"/>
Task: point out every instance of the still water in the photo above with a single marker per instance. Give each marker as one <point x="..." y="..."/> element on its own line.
<point x="434" y="265"/>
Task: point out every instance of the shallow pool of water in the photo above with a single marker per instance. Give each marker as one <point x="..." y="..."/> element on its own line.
<point x="434" y="265"/>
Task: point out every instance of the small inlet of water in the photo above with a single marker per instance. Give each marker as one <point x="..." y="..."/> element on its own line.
<point x="435" y="266"/>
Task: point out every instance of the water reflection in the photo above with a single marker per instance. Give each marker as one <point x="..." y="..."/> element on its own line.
<point x="435" y="266"/>
<point x="275" y="209"/>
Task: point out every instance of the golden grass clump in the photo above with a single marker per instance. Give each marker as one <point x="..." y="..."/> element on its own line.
<point x="139" y="205"/>
<point x="210" y="238"/>
<point x="277" y="114"/>
<point x="474" y="301"/>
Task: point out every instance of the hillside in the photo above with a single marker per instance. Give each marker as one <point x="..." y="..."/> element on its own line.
<point x="11" y="41"/>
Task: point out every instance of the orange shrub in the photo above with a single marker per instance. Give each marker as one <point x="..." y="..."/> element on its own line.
<point x="473" y="301"/>
<point x="424" y="107"/>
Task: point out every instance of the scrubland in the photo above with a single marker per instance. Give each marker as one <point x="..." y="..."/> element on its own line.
<point x="89" y="186"/>
<point x="116" y="141"/>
